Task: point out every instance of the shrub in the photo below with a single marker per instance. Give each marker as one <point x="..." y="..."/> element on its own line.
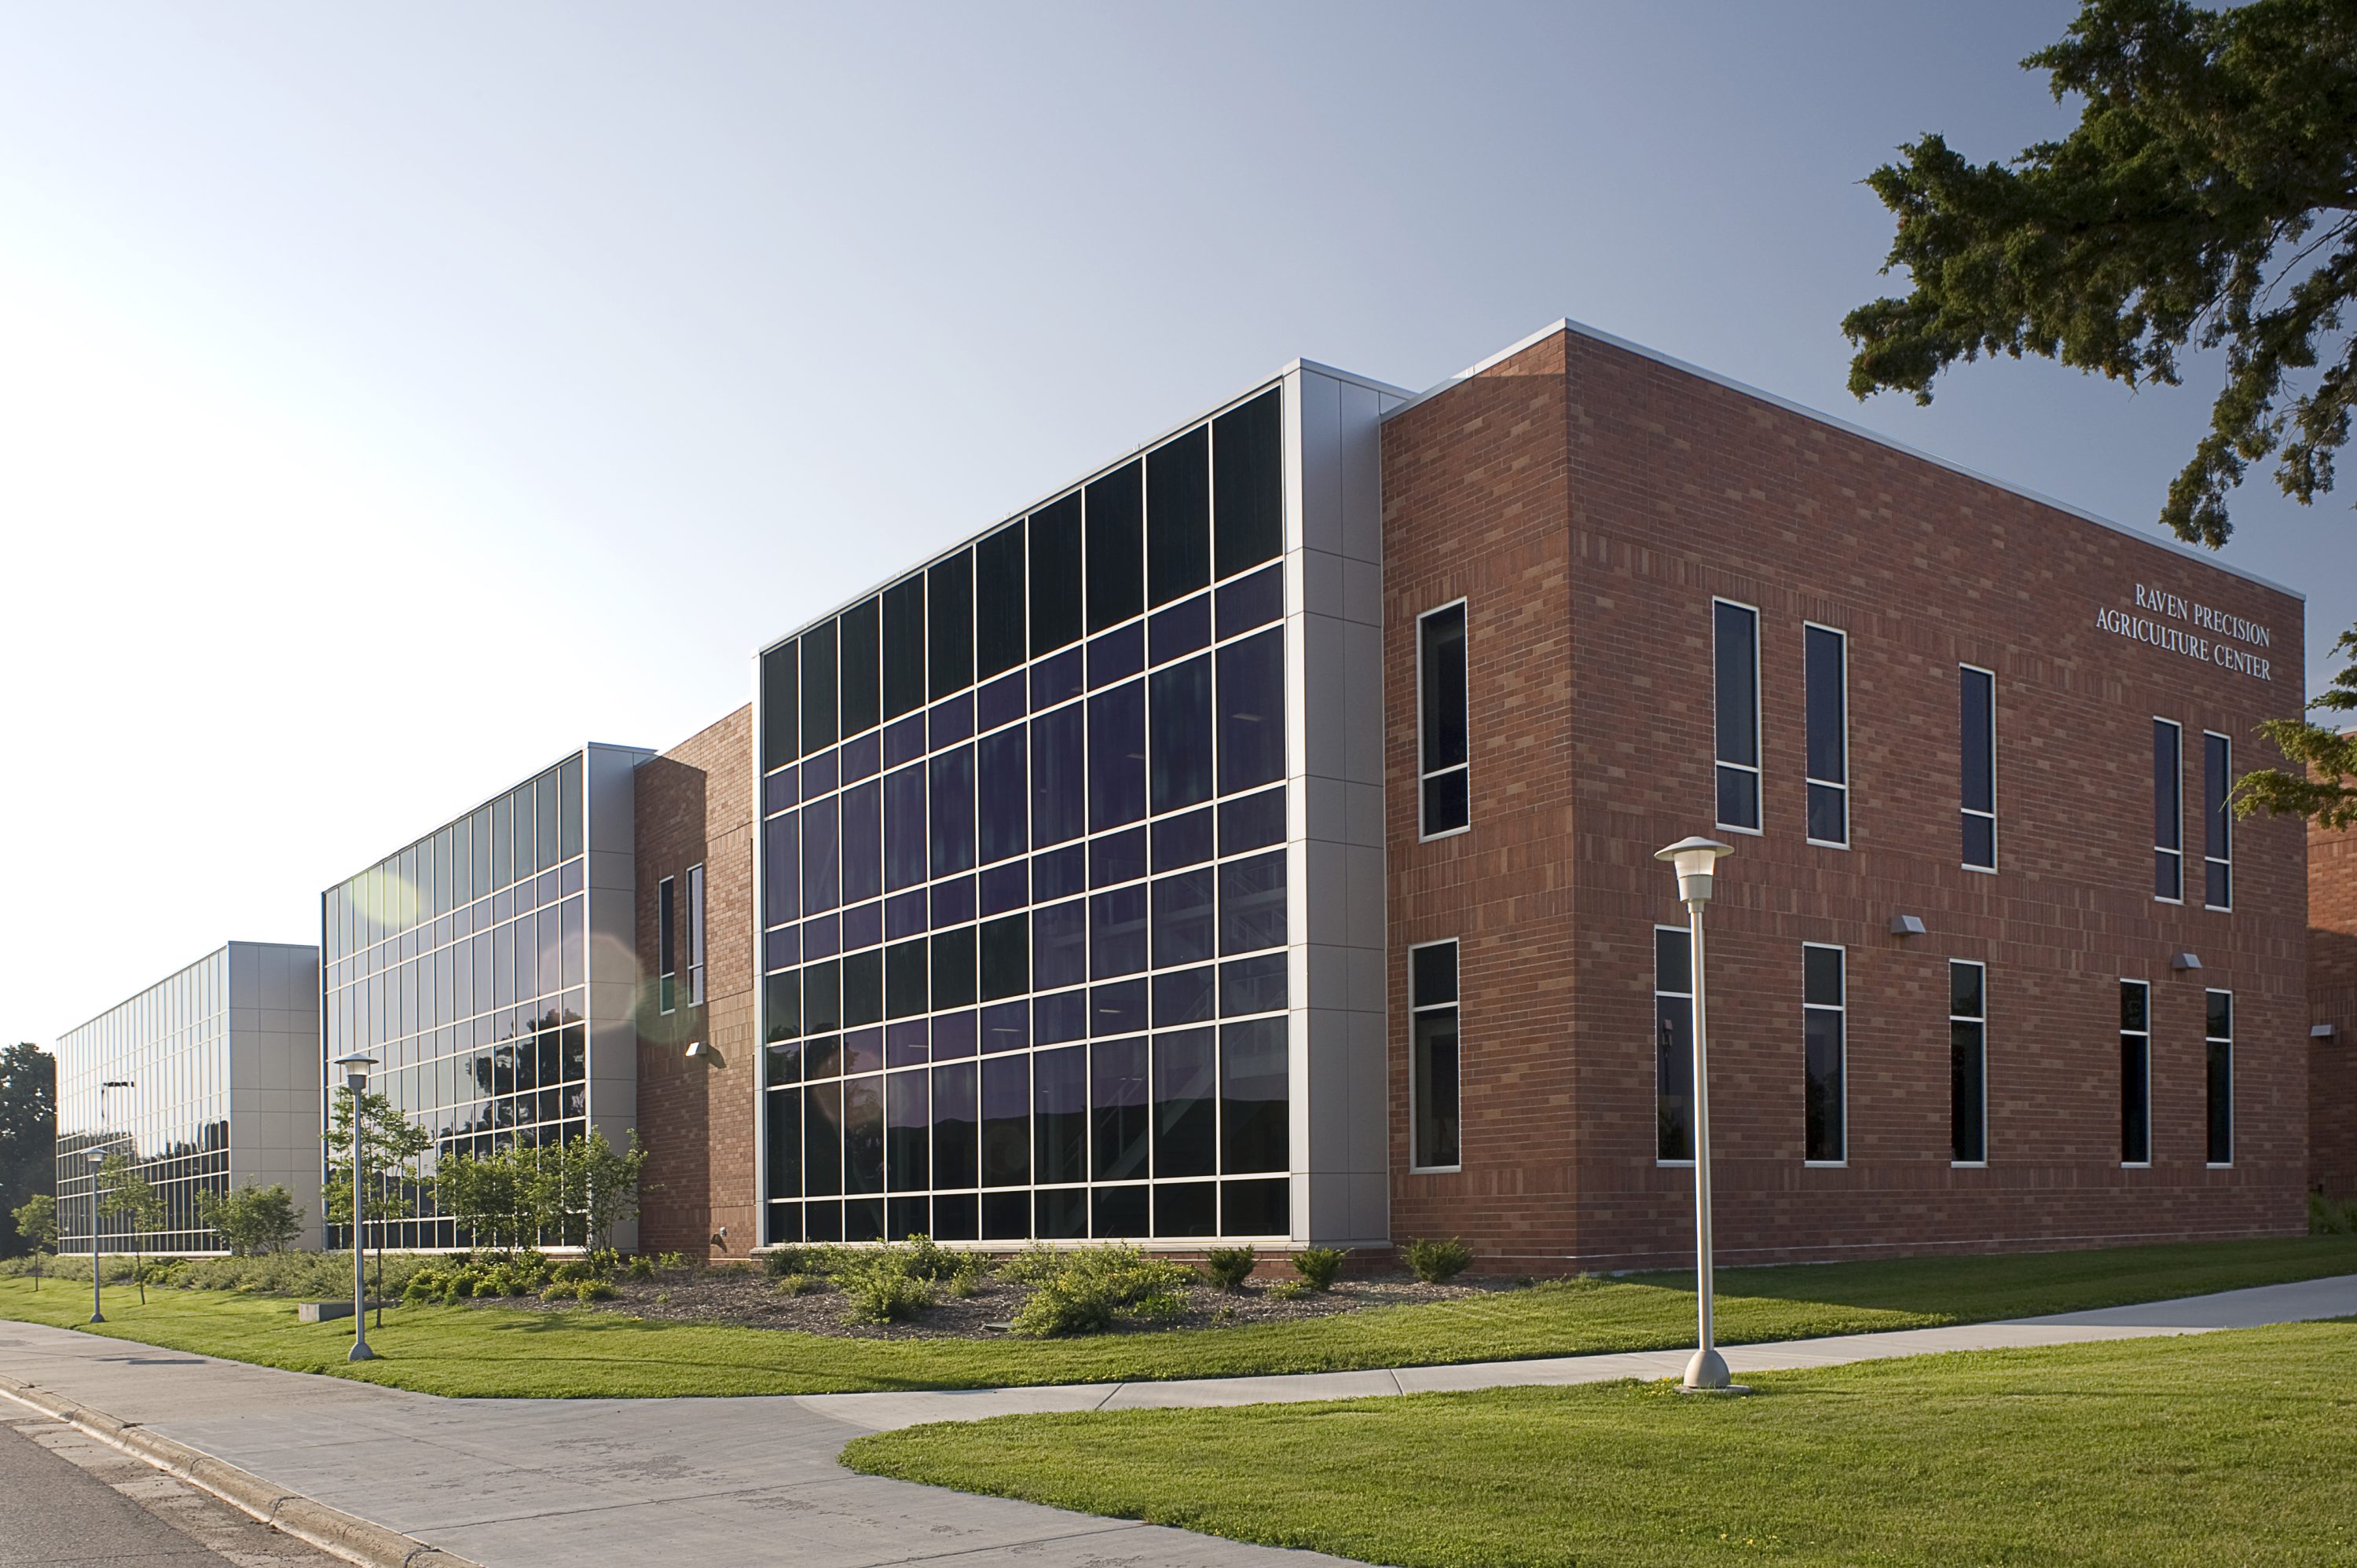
<point x="1292" y="1290"/>
<point x="1036" y="1264"/>
<point x="1094" y="1286"/>
<point x="1229" y="1267"/>
<point x="798" y="1285"/>
<point x="561" y="1292"/>
<point x="965" y="1280"/>
<point x="593" y="1290"/>
<point x="780" y="1262"/>
<point x="2326" y="1217"/>
<point x="643" y="1267"/>
<point x="884" y="1293"/>
<point x="1319" y="1265"/>
<point x="1438" y="1262"/>
<point x="929" y="1260"/>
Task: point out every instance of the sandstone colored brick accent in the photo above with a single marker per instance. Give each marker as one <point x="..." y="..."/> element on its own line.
<point x="1589" y="502"/>
<point x="695" y="803"/>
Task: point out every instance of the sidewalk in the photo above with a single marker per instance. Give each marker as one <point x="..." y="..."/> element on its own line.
<point x="555" y="1483"/>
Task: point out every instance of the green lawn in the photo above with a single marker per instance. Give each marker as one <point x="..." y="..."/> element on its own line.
<point x="507" y="1352"/>
<point x="2208" y="1450"/>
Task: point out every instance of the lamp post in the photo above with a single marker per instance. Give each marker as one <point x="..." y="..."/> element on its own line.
<point x="1694" y="860"/>
<point x="97" y="1156"/>
<point x="356" y="1067"/>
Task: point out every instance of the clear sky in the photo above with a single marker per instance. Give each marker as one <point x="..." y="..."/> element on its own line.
<point x="393" y="397"/>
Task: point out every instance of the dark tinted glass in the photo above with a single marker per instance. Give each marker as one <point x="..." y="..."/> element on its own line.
<point x="1116" y="547"/>
<point x="1059" y="874"/>
<point x="1185" y="996"/>
<point x="818" y="688"/>
<point x="1184" y="1110"/>
<point x="1734" y="652"/>
<point x="1248" y="601"/>
<point x="1118" y="655"/>
<point x="1118" y="756"/>
<point x="1822" y="969"/>
<point x="950" y="594"/>
<point x="2217" y="779"/>
<point x="780" y="708"/>
<point x="1117" y="858"/>
<point x="904" y="828"/>
<point x="1055" y="574"/>
<point x="863" y="843"/>
<point x="1253" y="821"/>
<point x="1448" y="802"/>
<point x="1979" y="739"/>
<point x="862" y="1136"/>
<point x="1006" y="956"/>
<point x="1964" y="982"/>
<point x="1058" y="777"/>
<point x="1823" y="1109"/>
<point x="953" y="975"/>
<point x="1183" y="926"/>
<point x="1006" y="1122"/>
<point x="1672" y="961"/>
<point x="2218" y="1021"/>
<point x="1254" y="1085"/>
<point x="1827" y="711"/>
<point x="822" y="998"/>
<point x="1432" y="974"/>
<point x="2168" y="802"/>
<point x="863" y="988"/>
<point x="906" y="989"/>
<point x="957" y="1125"/>
<point x="783" y="1113"/>
<point x="1117" y="932"/>
<point x="904" y="646"/>
<point x="1181" y="629"/>
<point x="1253" y="986"/>
<point x="1179" y="516"/>
<point x="1059" y="945"/>
<point x="1980" y="841"/>
<point x="1248" y="485"/>
<point x="1183" y="841"/>
<point x="1179" y="740"/>
<point x="1004" y="794"/>
<point x="2135" y="1001"/>
<point x="999" y="620"/>
<point x="1252" y="902"/>
<point x="1059" y="1102"/>
<point x="1251" y="696"/>
<point x="1968" y="1096"/>
<point x="1119" y="1113"/>
<point x="2221" y="1084"/>
<point x="1437" y="1088"/>
<point x="861" y="656"/>
<point x="821" y="885"/>
<point x="822" y="1140"/>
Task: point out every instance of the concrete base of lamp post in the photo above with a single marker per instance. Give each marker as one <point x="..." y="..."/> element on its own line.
<point x="1707" y="1374"/>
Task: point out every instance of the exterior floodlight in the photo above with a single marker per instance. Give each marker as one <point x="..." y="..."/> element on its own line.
<point x="696" y="1049"/>
<point x="1693" y="858"/>
<point x="356" y="1065"/>
<point x="2319" y="1031"/>
<point x="1906" y="925"/>
<point x="2184" y="963"/>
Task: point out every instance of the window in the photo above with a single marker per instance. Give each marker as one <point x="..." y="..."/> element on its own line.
<point x="1826" y="663"/>
<point x="666" y="946"/>
<point x="1734" y="666"/>
<point x="1978" y="744"/>
<point x="1673" y="1044"/>
<point x="2136" y="1073"/>
<point x="1968" y="1062"/>
<point x="695" y="935"/>
<point x="2218" y="1037"/>
<point x="1432" y="1008"/>
<point x="1822" y="1033"/>
<point x="2167" y="813"/>
<point x="1442" y="739"/>
<point x="2217" y="821"/>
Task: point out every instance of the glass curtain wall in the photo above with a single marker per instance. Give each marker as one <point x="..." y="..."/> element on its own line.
<point x="1023" y="890"/>
<point x="170" y="1047"/>
<point x="459" y="963"/>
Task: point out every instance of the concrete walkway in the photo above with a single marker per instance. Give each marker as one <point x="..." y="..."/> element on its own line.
<point x="556" y="1483"/>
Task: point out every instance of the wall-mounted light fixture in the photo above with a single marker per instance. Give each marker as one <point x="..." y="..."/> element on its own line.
<point x="2319" y="1031"/>
<point x="2184" y="963"/>
<point x="1906" y="925"/>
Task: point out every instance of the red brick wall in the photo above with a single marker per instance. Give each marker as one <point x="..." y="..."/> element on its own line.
<point x="2332" y="999"/>
<point x="1592" y="501"/>
<point x="695" y="803"/>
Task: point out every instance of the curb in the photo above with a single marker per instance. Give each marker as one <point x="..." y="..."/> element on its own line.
<point x="348" y="1536"/>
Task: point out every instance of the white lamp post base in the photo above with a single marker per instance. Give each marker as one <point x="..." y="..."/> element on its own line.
<point x="1707" y="1374"/>
<point x="360" y="1352"/>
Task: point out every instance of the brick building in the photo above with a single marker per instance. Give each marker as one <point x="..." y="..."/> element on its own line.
<point x="2332" y="1011"/>
<point x="1254" y="841"/>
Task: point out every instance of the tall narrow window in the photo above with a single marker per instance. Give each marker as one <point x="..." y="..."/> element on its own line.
<point x="1735" y="671"/>
<point x="1822" y="1033"/>
<point x="1968" y="1062"/>
<point x="2136" y="1073"/>
<point x="1673" y="1044"/>
<point x="2217" y="821"/>
<point x="666" y="945"/>
<point x="1978" y="739"/>
<point x="1827" y="663"/>
<point x="2218" y="1037"/>
<point x="1442" y="735"/>
<point x="1432" y="1003"/>
<point x="2167" y="812"/>
<point x="695" y="936"/>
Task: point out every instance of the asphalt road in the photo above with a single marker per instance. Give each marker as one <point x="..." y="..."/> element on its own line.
<point x="67" y="1500"/>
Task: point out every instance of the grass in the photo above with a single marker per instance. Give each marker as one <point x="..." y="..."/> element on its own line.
<point x="504" y="1352"/>
<point x="2205" y="1450"/>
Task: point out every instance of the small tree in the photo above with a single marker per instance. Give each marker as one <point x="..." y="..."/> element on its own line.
<point x="393" y="1148"/>
<point x="123" y="1190"/>
<point x="588" y="1189"/>
<point x="497" y="1197"/>
<point x="37" y="1223"/>
<point x="252" y="1219"/>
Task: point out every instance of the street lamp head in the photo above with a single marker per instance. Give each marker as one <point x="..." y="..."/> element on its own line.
<point x="1693" y="859"/>
<point x="355" y="1066"/>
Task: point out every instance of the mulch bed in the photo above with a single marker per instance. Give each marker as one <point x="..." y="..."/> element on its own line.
<point x="747" y="1298"/>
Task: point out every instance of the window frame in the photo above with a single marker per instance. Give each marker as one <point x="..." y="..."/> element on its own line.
<point x="1996" y="845"/>
<point x="1840" y="1010"/>
<point x="2177" y="814"/>
<point x="1981" y="1021"/>
<point x="695" y="965"/>
<point x="1756" y="766"/>
<point x="1456" y="1005"/>
<point x="1808" y="780"/>
<point x="2210" y="1107"/>
<point x="1688" y="996"/>
<point x="2145" y="1036"/>
<point x="1462" y="602"/>
<point x="2222" y="819"/>
<point x="666" y="946"/>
